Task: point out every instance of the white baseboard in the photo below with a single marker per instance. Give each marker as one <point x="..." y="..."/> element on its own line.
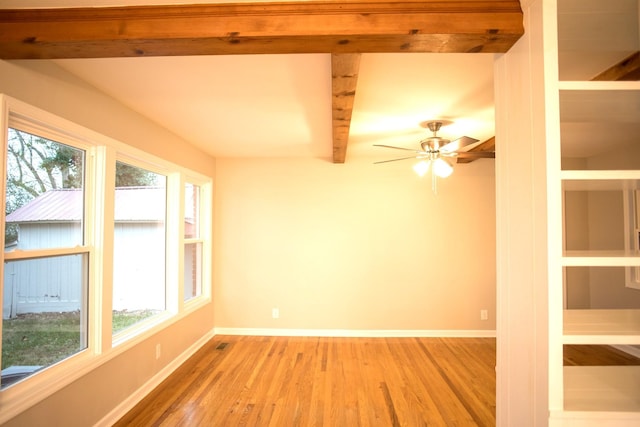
<point x="125" y="406"/>
<point x="358" y="333"/>
<point x="633" y="350"/>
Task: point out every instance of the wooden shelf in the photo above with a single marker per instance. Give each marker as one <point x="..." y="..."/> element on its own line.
<point x="601" y="327"/>
<point x="600" y="180"/>
<point x="602" y="388"/>
<point x="600" y="184"/>
<point x="594" y="258"/>
<point x="598" y="85"/>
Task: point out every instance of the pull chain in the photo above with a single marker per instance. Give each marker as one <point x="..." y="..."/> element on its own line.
<point x="434" y="183"/>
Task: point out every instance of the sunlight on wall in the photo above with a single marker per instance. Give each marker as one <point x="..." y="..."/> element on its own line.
<point x="353" y="246"/>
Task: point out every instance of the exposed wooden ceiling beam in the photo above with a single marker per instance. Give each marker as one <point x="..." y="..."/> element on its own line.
<point x="445" y="26"/>
<point x="488" y="146"/>
<point x="251" y="28"/>
<point x="627" y="69"/>
<point x="344" y="79"/>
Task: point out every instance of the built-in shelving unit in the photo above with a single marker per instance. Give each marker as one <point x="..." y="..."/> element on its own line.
<point x="599" y="175"/>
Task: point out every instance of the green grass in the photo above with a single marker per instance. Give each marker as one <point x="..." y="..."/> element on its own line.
<point x="43" y="339"/>
<point x="123" y="319"/>
<point x="40" y="339"/>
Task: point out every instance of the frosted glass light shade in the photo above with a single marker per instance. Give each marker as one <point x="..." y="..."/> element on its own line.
<point x="442" y="168"/>
<point x="421" y="168"/>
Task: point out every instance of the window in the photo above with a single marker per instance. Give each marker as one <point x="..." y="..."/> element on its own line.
<point x="193" y="243"/>
<point x="139" y="237"/>
<point x="45" y="281"/>
<point x="99" y="237"/>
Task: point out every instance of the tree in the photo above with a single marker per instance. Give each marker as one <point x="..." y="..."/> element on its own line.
<point x="36" y="165"/>
<point x="131" y="176"/>
<point x="68" y="161"/>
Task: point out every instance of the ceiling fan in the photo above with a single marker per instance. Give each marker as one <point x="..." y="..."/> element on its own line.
<point x="437" y="153"/>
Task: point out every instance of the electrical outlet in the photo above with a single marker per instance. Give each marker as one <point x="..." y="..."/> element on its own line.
<point x="275" y="312"/>
<point x="158" y="351"/>
<point x="484" y="315"/>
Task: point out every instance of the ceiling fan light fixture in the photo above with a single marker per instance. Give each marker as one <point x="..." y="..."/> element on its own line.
<point x="442" y="168"/>
<point x="421" y="168"/>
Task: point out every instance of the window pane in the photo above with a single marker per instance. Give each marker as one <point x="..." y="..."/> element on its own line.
<point x="44" y="200"/>
<point x="191" y="210"/>
<point x="139" y="245"/>
<point x="44" y="313"/>
<point x="192" y="270"/>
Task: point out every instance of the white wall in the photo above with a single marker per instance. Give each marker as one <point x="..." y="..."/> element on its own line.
<point x="353" y="246"/>
<point x="523" y="251"/>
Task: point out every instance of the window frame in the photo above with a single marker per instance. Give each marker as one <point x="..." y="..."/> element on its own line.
<point x="99" y="183"/>
<point x="631" y="200"/>
<point x="140" y="327"/>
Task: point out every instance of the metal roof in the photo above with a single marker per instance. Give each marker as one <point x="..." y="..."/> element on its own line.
<point x="133" y="204"/>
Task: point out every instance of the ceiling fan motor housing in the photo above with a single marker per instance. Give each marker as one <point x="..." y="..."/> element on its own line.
<point x="433" y="144"/>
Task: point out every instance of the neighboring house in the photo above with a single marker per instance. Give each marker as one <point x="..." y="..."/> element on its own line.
<point x="53" y="219"/>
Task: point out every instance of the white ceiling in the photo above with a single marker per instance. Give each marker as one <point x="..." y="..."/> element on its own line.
<point x="280" y="105"/>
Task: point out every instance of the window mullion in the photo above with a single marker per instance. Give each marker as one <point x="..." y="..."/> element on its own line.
<point x="4" y="142"/>
<point x="100" y="232"/>
<point x="44" y="253"/>
<point x="175" y="249"/>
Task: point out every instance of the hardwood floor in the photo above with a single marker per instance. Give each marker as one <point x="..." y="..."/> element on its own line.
<point x="320" y="381"/>
<point x="311" y="381"/>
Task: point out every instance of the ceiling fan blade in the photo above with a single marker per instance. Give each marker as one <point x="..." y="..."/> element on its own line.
<point x="394" y="160"/>
<point x="459" y="143"/>
<point x="476" y="155"/>
<point x="397" y="148"/>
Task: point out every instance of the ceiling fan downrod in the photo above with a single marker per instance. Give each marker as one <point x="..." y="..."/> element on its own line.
<point x="434" y="127"/>
<point x="433" y="143"/>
